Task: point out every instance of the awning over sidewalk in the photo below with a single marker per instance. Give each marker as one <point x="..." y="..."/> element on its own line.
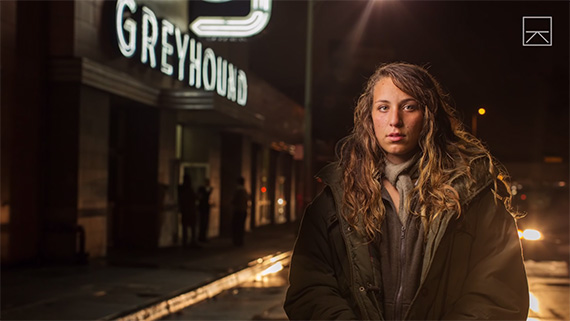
<point x="268" y="116"/>
<point x="204" y="108"/>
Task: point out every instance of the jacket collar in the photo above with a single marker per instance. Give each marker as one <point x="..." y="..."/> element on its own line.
<point x="467" y="188"/>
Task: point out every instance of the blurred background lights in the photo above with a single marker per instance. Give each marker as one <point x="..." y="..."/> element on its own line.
<point x="530" y="235"/>
<point x="273" y="269"/>
<point x="533" y="303"/>
<point x="263" y="275"/>
<point x="481" y="111"/>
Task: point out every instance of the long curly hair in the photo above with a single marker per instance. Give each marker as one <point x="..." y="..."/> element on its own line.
<point x="447" y="151"/>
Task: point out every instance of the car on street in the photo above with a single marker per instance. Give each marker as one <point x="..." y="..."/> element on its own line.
<point x="545" y="229"/>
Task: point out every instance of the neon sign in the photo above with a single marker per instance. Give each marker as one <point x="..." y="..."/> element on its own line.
<point x="233" y="27"/>
<point x="198" y="67"/>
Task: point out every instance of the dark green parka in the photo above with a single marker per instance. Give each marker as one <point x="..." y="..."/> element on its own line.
<point x="472" y="267"/>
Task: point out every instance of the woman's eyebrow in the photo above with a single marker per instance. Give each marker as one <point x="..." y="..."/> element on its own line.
<point x="403" y="101"/>
<point x="408" y="100"/>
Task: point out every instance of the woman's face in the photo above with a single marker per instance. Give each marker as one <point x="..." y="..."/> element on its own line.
<point x="398" y="121"/>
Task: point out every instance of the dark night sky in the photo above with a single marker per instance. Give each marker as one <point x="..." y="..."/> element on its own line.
<point x="474" y="48"/>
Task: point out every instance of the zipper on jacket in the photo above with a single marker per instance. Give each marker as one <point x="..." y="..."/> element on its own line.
<point x="397" y="305"/>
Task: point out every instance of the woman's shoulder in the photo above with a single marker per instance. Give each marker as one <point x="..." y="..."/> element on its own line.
<point x="475" y="178"/>
<point x="323" y="200"/>
<point x="322" y="209"/>
<point x="330" y="174"/>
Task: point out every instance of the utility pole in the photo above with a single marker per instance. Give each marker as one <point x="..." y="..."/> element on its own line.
<point x="308" y="121"/>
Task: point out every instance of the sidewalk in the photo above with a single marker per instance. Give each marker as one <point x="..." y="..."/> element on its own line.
<point x="127" y="282"/>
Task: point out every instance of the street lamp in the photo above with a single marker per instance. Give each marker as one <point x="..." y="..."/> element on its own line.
<point x="480" y="112"/>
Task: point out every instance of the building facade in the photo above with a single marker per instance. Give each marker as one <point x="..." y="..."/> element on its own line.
<point x="106" y="104"/>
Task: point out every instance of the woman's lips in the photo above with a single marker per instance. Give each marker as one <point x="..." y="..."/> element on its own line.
<point x="395" y="137"/>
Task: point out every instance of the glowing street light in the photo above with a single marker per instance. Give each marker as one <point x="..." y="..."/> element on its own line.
<point x="480" y="112"/>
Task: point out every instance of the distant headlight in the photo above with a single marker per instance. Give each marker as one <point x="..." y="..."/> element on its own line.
<point x="530" y="235"/>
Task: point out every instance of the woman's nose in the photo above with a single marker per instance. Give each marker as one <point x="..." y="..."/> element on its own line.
<point x="394" y="118"/>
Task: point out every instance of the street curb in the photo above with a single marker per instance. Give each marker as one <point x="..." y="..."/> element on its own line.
<point x="178" y="302"/>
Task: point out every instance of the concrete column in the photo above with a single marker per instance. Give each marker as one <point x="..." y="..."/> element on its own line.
<point x="59" y="240"/>
<point x="8" y="24"/>
<point x="167" y="179"/>
<point x="75" y="220"/>
<point x="92" y="169"/>
<point x="23" y="103"/>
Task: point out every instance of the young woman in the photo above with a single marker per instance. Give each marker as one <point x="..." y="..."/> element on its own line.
<point x="414" y="222"/>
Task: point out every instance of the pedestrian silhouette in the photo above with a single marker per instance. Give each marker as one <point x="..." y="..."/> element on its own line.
<point x="240" y="204"/>
<point x="204" y="192"/>
<point x="187" y="206"/>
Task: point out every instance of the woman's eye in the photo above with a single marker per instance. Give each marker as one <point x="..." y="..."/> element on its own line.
<point x="382" y="108"/>
<point x="410" y="107"/>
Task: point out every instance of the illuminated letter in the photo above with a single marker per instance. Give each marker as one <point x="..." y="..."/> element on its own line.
<point x="127" y="49"/>
<point x="148" y="42"/>
<point x="231" y="27"/>
<point x="242" y="88"/>
<point x="209" y="77"/>
<point x="195" y="68"/>
<point x="222" y="76"/>
<point x="182" y="48"/>
<point x="167" y="49"/>
<point x="232" y="83"/>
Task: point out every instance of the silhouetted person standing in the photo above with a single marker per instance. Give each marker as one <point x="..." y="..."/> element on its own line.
<point x="187" y="205"/>
<point x="240" y="203"/>
<point x="204" y="192"/>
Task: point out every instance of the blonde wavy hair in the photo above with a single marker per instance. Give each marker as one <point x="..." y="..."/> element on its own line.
<point x="447" y="151"/>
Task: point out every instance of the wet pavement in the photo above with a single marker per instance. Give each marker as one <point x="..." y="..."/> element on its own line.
<point x="258" y="299"/>
<point x="128" y="282"/>
<point x="549" y="290"/>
